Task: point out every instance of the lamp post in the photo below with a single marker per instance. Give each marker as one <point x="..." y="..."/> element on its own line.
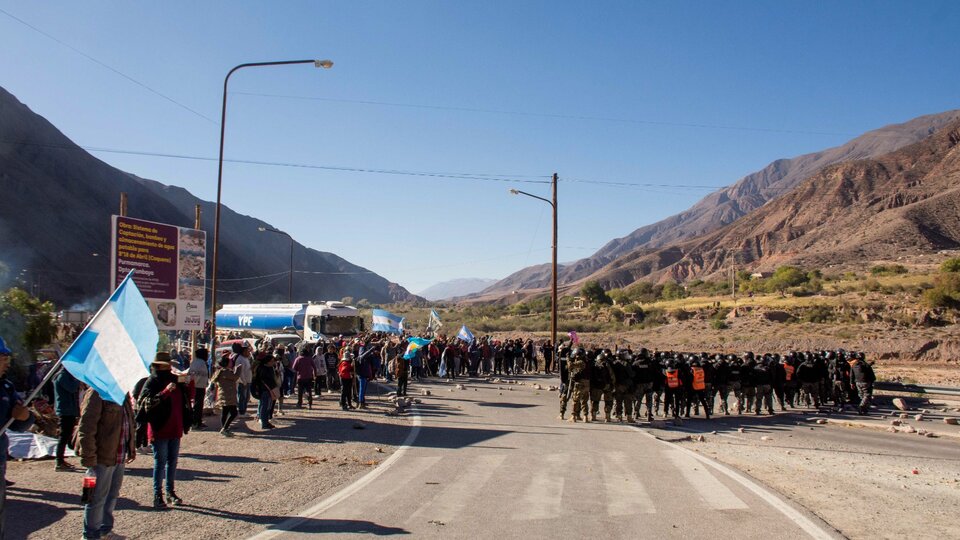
<point x="553" y="298"/>
<point x="326" y="64"/>
<point x="290" y="287"/>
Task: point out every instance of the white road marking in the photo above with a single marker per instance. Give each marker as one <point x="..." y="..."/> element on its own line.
<point x="452" y="501"/>
<point x="626" y="495"/>
<point x="810" y="527"/>
<point x="412" y="468"/>
<point x="543" y="495"/>
<point x="317" y="509"/>
<point x="714" y="493"/>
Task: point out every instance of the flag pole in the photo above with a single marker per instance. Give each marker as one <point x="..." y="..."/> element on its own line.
<point x="52" y="372"/>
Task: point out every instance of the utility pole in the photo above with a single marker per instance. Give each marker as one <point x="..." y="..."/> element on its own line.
<point x="193" y="334"/>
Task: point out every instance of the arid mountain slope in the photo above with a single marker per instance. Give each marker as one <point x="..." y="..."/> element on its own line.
<point x="883" y="208"/>
<point x="728" y="205"/>
<point x="57" y="205"/>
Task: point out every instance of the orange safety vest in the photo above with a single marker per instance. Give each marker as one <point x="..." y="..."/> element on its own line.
<point x="789" y="369"/>
<point x="673" y="378"/>
<point x="698" y="383"/>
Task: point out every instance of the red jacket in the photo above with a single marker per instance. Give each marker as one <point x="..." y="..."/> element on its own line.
<point x="345" y="369"/>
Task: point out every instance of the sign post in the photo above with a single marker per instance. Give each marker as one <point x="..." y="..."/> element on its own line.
<point x="170" y="264"/>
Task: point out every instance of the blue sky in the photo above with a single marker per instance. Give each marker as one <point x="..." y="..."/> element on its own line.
<point x="670" y="93"/>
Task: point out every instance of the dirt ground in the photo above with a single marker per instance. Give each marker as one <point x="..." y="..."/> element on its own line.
<point x="231" y="487"/>
<point x="858" y="477"/>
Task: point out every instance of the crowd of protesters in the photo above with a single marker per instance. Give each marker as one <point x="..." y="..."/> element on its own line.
<point x="170" y="402"/>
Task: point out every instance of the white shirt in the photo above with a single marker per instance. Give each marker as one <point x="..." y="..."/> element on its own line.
<point x="241" y="366"/>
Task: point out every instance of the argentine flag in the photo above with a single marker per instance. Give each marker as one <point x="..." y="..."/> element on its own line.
<point x="465" y="334"/>
<point x="384" y="321"/>
<point x="114" y="351"/>
<point x="435" y="323"/>
<point x="414" y="343"/>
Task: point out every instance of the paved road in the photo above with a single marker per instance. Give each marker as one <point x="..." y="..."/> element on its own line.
<point x="489" y="463"/>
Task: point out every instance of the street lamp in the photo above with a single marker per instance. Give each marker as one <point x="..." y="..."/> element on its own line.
<point x="290" y="288"/>
<point x="553" y="298"/>
<point x="325" y="64"/>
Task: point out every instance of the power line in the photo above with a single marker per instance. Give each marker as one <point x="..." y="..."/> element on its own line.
<point x="526" y="179"/>
<point x="117" y="71"/>
<point x="549" y="115"/>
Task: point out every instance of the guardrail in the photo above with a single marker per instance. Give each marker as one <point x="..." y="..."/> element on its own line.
<point x="917" y="389"/>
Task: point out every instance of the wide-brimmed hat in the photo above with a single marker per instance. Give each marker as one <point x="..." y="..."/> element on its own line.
<point x="161" y="361"/>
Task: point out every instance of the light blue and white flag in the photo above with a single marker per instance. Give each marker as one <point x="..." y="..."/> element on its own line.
<point x="465" y="334"/>
<point x="413" y="344"/>
<point x="384" y="321"/>
<point x="114" y="351"/>
<point x="403" y="327"/>
<point x="435" y="323"/>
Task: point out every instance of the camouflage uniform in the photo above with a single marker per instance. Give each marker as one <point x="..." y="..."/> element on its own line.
<point x="579" y="376"/>
<point x="602" y="384"/>
<point x="623" y="393"/>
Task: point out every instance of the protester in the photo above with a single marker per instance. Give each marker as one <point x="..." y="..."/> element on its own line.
<point x="305" y="372"/>
<point x="242" y="367"/>
<point x="364" y="372"/>
<point x="225" y="380"/>
<point x="345" y="370"/>
<point x="200" y="376"/>
<point x="168" y="411"/>
<point x="66" y="391"/>
<point x="266" y="388"/>
<point x="10" y="408"/>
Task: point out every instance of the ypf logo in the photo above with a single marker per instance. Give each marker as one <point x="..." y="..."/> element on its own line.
<point x="245" y="320"/>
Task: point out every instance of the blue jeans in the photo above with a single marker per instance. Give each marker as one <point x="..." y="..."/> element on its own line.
<point x="265" y="409"/>
<point x="98" y="513"/>
<point x="165" y="454"/>
<point x="362" y="397"/>
<point x="243" y="397"/>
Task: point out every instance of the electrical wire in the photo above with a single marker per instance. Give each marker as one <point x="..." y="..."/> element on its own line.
<point x="107" y="66"/>
<point x="445" y="175"/>
<point x="548" y="115"/>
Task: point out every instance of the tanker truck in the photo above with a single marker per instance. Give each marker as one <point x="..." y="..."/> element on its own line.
<point x="312" y="321"/>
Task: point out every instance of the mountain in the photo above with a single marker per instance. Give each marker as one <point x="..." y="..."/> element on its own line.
<point x="57" y="203"/>
<point x="730" y="204"/>
<point x="880" y="209"/>
<point x="455" y="287"/>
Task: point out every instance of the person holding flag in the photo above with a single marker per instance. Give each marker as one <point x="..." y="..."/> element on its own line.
<point x="110" y="357"/>
<point x="13" y="414"/>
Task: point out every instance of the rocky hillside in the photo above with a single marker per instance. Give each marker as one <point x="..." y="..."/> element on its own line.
<point x="728" y="205"/>
<point x="896" y="205"/>
<point x="57" y="205"/>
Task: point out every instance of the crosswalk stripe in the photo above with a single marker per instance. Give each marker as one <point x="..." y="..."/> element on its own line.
<point x="626" y="495"/>
<point x="404" y="475"/>
<point x="543" y="495"/>
<point x="450" y="502"/>
<point x="711" y="490"/>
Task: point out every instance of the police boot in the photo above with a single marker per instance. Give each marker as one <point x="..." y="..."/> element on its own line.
<point x="561" y="417"/>
<point x="606" y="417"/>
<point x="629" y="419"/>
<point x="575" y="418"/>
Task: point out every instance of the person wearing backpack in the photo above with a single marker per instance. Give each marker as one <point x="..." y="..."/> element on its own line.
<point x="167" y="405"/>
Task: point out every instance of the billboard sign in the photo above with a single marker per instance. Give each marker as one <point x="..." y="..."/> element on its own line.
<point x="171" y="269"/>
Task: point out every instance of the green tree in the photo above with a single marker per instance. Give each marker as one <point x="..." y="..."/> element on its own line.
<point x="619" y="296"/>
<point x="39" y="328"/>
<point x="673" y="291"/>
<point x="594" y="293"/>
<point x="786" y="277"/>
